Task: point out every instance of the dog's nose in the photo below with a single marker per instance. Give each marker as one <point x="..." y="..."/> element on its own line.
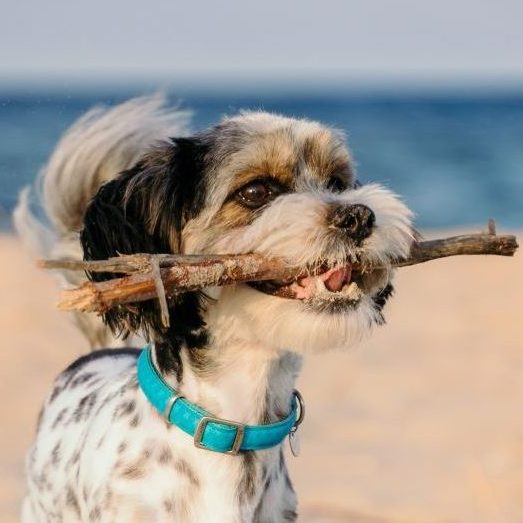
<point x="356" y="220"/>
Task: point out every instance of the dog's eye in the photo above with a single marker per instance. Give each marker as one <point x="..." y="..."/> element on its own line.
<point x="336" y="184"/>
<point x="255" y="194"/>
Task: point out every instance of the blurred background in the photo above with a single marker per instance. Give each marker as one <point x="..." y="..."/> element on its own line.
<point x="424" y="420"/>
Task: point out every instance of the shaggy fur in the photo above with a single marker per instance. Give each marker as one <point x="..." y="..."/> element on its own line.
<point x="256" y="182"/>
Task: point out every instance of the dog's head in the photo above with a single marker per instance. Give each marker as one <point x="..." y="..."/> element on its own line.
<point x="261" y="183"/>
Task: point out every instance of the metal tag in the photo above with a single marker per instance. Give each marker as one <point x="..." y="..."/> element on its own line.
<point x="294" y="443"/>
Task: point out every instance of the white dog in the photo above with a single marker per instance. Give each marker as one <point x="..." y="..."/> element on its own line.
<point x="143" y="436"/>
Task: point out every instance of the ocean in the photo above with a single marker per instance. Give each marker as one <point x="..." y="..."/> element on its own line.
<point x="455" y="159"/>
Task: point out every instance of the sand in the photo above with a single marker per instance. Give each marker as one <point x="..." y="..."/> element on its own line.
<point x="420" y="424"/>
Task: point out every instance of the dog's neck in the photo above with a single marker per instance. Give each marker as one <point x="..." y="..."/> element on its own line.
<point x="240" y="381"/>
<point x="238" y="378"/>
<point x="234" y="376"/>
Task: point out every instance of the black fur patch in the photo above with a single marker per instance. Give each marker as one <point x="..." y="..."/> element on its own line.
<point x="84" y="407"/>
<point x="125" y="408"/>
<point x="79" y="380"/>
<point x="381" y="299"/>
<point x="144" y="211"/>
<point x="56" y="454"/>
<point x="102" y="353"/>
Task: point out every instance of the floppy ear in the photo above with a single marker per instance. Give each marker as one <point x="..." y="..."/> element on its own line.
<point x="145" y="209"/>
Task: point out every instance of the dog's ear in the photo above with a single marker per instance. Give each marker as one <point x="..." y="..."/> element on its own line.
<point x="145" y="209"/>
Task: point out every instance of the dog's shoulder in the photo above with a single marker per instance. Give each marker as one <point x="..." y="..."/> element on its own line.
<point x="102" y="356"/>
<point x="93" y="379"/>
<point x="83" y="444"/>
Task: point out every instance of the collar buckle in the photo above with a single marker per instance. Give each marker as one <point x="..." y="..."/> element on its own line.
<point x="200" y="430"/>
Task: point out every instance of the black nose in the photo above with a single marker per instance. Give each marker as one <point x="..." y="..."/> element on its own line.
<point x="356" y="220"/>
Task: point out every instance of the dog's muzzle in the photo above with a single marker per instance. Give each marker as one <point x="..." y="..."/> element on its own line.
<point x="343" y="282"/>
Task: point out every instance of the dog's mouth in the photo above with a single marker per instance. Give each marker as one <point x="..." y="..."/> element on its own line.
<point x="342" y="285"/>
<point x="331" y="281"/>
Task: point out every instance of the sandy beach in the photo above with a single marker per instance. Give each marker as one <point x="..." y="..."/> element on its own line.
<point x="422" y="423"/>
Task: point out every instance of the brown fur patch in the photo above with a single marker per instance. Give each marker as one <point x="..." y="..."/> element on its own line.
<point x="72" y="500"/>
<point x="135" y="471"/>
<point x="233" y="214"/>
<point x="269" y="155"/>
<point x="325" y="156"/>
<point x="272" y="155"/>
<point x="183" y="468"/>
<point x="168" y="505"/>
<point x="281" y="155"/>
<point x="247" y="483"/>
<point x="165" y="456"/>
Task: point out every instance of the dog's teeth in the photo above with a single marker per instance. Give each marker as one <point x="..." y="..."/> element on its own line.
<point x="353" y="291"/>
<point x="320" y="285"/>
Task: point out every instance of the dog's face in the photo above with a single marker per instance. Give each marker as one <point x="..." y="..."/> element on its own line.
<point x="273" y="185"/>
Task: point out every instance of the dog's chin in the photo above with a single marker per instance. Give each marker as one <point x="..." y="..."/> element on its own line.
<point x="326" y="319"/>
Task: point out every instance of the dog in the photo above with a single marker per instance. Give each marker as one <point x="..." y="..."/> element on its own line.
<point x="107" y="449"/>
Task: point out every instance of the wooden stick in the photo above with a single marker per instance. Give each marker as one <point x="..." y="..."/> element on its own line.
<point x="160" y="291"/>
<point x="472" y="244"/>
<point x="187" y="276"/>
<point x="154" y="275"/>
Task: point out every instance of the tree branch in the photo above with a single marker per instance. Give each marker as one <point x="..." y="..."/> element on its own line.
<point x="153" y="276"/>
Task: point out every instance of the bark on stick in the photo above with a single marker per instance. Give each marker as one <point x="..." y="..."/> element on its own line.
<point x="145" y="273"/>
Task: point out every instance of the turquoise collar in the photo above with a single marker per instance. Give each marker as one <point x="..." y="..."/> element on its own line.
<point x="212" y="433"/>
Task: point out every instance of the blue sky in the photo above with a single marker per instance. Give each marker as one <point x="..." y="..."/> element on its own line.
<point x="381" y="40"/>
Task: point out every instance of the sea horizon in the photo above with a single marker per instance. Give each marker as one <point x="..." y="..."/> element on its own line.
<point x="454" y="155"/>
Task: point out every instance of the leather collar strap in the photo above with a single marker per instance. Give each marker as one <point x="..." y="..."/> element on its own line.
<point x="210" y="433"/>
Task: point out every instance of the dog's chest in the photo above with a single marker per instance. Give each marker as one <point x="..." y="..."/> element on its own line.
<point x="103" y="454"/>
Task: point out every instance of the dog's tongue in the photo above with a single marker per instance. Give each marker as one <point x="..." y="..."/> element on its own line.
<point x="335" y="278"/>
